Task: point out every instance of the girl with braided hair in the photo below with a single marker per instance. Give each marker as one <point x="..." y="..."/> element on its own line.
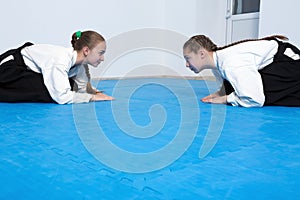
<point x="49" y="73"/>
<point x="252" y="73"/>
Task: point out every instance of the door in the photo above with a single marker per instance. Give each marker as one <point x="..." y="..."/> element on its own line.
<point x="242" y="20"/>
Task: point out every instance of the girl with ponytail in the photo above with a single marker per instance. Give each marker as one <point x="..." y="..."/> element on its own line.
<point x="253" y="72"/>
<point x="49" y="73"/>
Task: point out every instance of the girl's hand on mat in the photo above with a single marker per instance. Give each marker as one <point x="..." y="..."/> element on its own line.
<point x="101" y="97"/>
<point x="217" y="94"/>
<point x="215" y="99"/>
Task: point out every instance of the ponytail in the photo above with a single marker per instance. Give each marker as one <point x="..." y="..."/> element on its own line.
<point x="201" y="41"/>
<point x="272" y="37"/>
<point x="89" y="88"/>
<point x="85" y="38"/>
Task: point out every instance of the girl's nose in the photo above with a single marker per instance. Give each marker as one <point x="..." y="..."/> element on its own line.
<point x="102" y="57"/>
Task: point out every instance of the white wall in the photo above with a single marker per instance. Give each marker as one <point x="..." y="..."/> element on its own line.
<point x="54" y="21"/>
<point x="280" y="17"/>
<point x="211" y="20"/>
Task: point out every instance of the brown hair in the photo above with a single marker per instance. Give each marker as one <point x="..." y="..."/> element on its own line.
<point x="89" y="88"/>
<point x="198" y="41"/>
<point x="86" y="38"/>
<point x="89" y="39"/>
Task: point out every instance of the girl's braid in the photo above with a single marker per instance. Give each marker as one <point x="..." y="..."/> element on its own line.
<point x="272" y="37"/>
<point x="201" y="41"/>
<point x="89" y="88"/>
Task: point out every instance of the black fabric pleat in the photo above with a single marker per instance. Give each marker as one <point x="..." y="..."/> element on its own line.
<point x="18" y="83"/>
<point x="281" y="78"/>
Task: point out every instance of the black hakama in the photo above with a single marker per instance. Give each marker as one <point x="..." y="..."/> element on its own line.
<point x="18" y="83"/>
<point x="281" y="78"/>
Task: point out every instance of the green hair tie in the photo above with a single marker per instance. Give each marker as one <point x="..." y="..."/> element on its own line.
<point x="78" y="34"/>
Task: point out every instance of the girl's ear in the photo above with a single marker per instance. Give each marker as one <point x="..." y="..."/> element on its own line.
<point x="85" y="50"/>
<point x="202" y="53"/>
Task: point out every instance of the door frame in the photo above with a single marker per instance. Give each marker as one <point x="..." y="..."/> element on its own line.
<point x="230" y="19"/>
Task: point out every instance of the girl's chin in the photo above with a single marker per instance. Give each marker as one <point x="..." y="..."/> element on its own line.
<point x="95" y="65"/>
<point x="195" y="70"/>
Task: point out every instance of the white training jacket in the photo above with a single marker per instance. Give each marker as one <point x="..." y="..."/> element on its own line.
<point x="55" y="63"/>
<point x="239" y="64"/>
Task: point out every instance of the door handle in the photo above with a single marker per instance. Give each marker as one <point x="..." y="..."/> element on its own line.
<point x="228" y="14"/>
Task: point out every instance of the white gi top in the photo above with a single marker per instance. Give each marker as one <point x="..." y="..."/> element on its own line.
<point x="55" y="63"/>
<point x="239" y="64"/>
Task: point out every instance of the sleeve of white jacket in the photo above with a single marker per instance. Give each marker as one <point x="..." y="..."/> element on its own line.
<point x="57" y="82"/>
<point x="248" y="87"/>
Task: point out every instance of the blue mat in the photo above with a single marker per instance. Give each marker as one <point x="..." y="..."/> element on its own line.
<point x="155" y="141"/>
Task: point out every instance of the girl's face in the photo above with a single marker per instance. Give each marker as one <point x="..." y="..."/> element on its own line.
<point x="199" y="61"/>
<point x="96" y="55"/>
<point x="194" y="61"/>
